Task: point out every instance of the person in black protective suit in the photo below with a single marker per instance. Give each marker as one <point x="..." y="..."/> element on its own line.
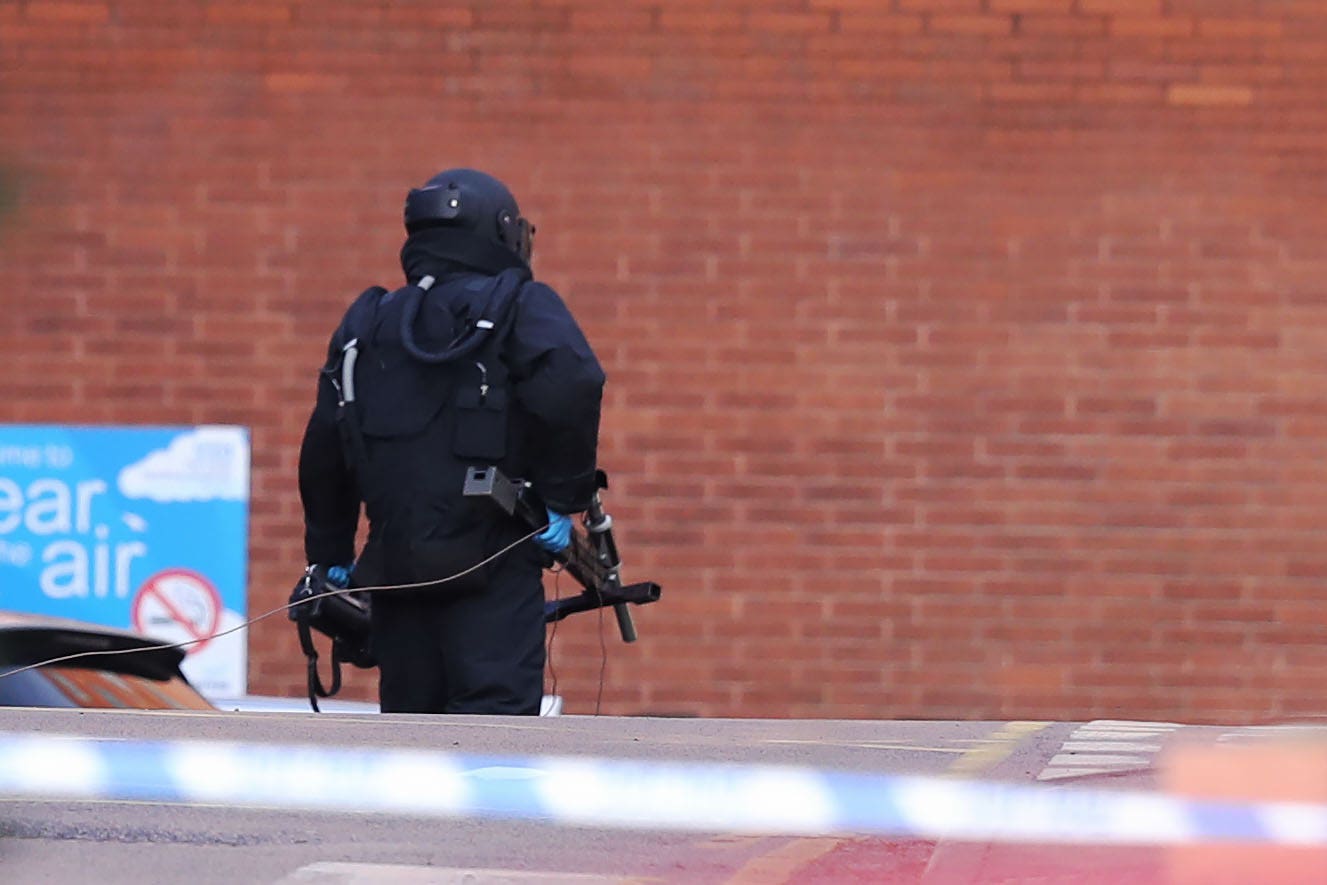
<point x="471" y="363"/>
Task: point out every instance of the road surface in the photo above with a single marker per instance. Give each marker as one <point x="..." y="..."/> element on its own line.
<point x="132" y="842"/>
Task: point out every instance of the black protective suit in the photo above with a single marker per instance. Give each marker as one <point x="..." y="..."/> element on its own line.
<point x="526" y="399"/>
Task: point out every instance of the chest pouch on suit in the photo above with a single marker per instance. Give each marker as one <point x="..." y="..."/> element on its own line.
<point x="399" y="396"/>
<point x="481" y="419"/>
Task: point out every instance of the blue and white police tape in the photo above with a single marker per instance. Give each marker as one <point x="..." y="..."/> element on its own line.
<point x="576" y="791"/>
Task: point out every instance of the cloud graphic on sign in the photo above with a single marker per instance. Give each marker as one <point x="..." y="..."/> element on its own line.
<point x="206" y="464"/>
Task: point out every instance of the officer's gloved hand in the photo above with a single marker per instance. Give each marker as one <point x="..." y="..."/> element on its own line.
<point x="315" y="581"/>
<point x="558" y="534"/>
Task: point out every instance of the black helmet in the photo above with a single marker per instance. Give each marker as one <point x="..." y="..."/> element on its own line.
<point x="473" y="201"/>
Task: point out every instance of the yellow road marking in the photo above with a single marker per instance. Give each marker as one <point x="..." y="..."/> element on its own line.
<point x="777" y="866"/>
<point x="995" y="749"/>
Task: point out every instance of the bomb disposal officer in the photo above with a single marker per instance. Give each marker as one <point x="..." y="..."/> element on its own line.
<point x="471" y="363"/>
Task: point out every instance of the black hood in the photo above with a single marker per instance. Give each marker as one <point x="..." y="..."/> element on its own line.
<point x="440" y="252"/>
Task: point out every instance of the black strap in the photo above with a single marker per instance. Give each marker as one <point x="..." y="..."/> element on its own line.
<point x="359" y="316"/>
<point x="355" y="327"/>
<point x="314" y="680"/>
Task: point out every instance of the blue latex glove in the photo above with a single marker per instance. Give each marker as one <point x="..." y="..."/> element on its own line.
<point x="558" y="534"/>
<point x="339" y="575"/>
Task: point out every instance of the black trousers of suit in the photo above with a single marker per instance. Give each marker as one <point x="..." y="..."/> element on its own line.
<point x="479" y="652"/>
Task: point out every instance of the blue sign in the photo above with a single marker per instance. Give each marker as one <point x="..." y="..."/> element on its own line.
<point x="142" y="528"/>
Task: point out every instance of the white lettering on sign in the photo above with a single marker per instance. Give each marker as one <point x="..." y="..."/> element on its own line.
<point x="18" y="555"/>
<point x="59" y="457"/>
<point x="70" y="574"/>
<point x="73" y="567"/>
<point x="49" y="506"/>
<point x="11" y="505"/>
<point x="20" y="456"/>
<point x="48" y="510"/>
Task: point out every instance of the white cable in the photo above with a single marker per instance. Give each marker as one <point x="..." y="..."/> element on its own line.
<point x="264" y="615"/>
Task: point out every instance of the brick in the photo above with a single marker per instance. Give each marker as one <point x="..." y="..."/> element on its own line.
<point x="702" y="20"/>
<point x="1135" y="8"/>
<point x="1086" y="69"/>
<point x="873" y="22"/>
<point x="1151" y="27"/>
<point x="71" y="12"/>
<point x="932" y="6"/>
<point x="1209" y="96"/>
<point x="522" y="17"/>
<point x="1037" y="25"/>
<point x="1122" y="93"/>
<point x="1152" y="70"/>
<point x="430" y="16"/>
<point x="1247" y="28"/>
<point x="1031" y="6"/>
<point x="612" y="19"/>
<point x="304" y="82"/>
<point x="788" y="22"/>
<point x="973" y="25"/>
<point x="248" y="13"/>
<point x="1039" y="92"/>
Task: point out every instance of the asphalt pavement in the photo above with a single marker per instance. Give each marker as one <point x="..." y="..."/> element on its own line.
<point x="76" y="838"/>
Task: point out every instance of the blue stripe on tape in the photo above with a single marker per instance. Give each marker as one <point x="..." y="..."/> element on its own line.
<point x="1226" y="822"/>
<point x="702" y="797"/>
<point x="131" y="773"/>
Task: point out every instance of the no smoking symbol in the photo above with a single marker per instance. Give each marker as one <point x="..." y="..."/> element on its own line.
<point x="177" y="606"/>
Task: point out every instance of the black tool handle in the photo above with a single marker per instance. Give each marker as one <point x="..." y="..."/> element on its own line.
<point x="624" y="624"/>
<point x="599" y="525"/>
<point x="589" y="600"/>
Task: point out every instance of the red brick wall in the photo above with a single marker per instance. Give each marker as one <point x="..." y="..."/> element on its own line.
<point x="966" y="356"/>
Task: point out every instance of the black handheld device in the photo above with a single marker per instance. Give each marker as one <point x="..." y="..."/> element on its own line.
<point x="591" y="558"/>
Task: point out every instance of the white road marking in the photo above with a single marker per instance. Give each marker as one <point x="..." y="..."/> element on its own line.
<point x="1107" y="759"/>
<point x="1051" y="774"/>
<point x="1261" y="732"/>
<point x="1108" y="746"/>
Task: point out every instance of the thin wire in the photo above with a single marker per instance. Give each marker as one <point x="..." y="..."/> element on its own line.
<point x="553" y="633"/>
<point x="290" y="605"/>
<point x="603" y="660"/>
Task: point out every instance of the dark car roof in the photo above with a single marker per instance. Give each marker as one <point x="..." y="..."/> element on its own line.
<point x="33" y="639"/>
